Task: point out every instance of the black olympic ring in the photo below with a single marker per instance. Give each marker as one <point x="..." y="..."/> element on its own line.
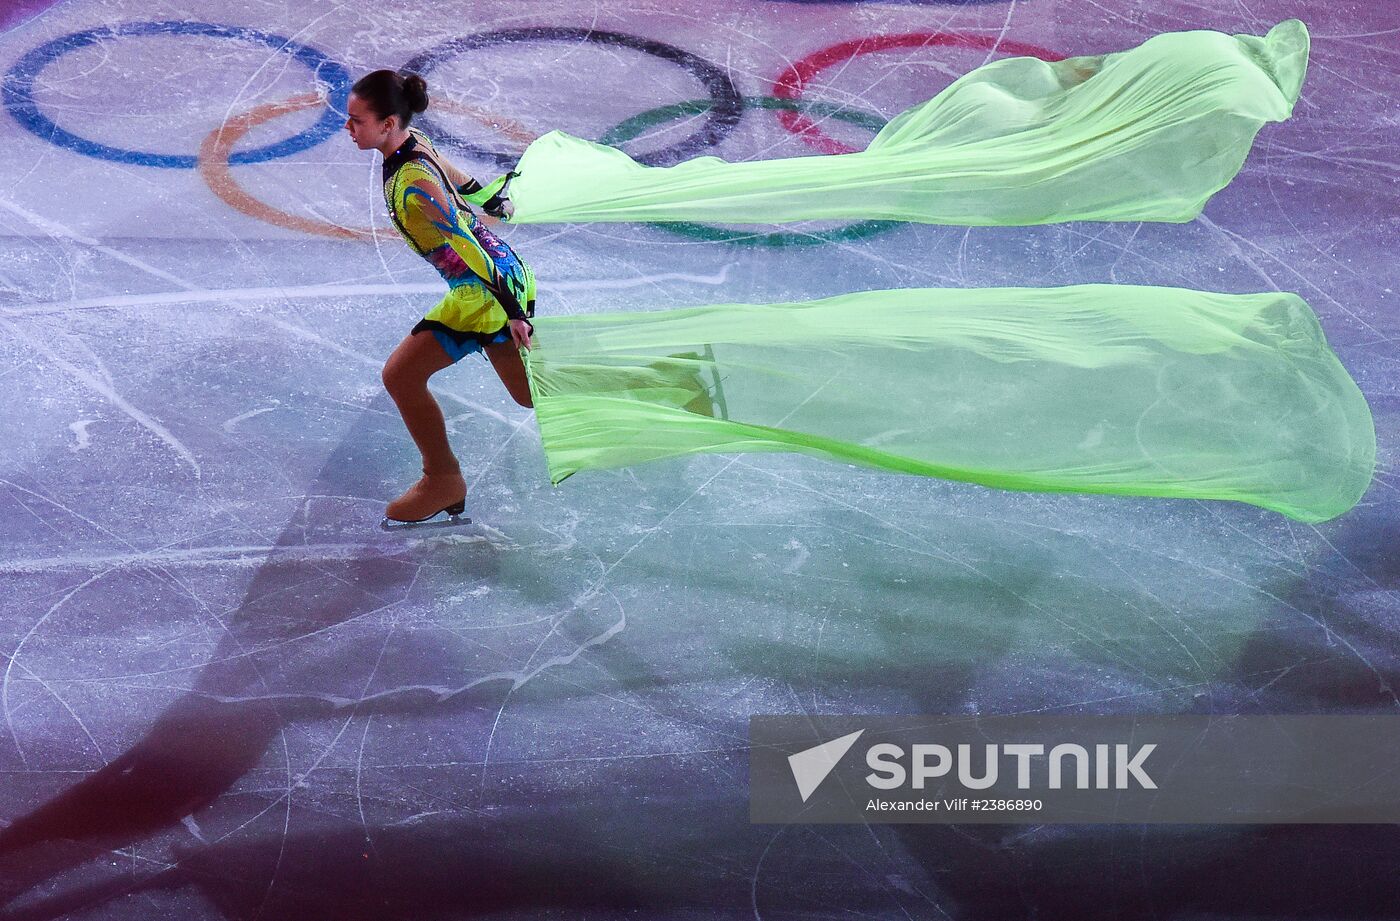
<point x="726" y="107"/>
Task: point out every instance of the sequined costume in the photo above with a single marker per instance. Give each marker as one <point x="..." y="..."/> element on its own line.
<point x="488" y="284"/>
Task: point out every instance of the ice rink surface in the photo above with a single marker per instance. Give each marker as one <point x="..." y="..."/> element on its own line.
<point x="225" y="694"/>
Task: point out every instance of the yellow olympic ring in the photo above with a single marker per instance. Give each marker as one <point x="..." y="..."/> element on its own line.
<point x="214" y="152"/>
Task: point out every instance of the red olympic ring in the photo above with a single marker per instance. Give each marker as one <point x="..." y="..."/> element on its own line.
<point x="213" y="163"/>
<point x="793" y="81"/>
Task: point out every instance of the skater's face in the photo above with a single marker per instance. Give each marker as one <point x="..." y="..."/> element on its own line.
<point x="367" y="129"/>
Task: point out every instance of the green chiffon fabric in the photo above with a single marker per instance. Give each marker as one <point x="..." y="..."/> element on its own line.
<point x="1109" y="389"/>
<point x="1148" y="134"/>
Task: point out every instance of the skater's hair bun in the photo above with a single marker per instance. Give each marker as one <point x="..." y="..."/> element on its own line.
<point x="387" y="93"/>
<point x="415" y="93"/>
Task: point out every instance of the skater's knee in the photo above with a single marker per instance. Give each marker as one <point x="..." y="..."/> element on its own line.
<point x="398" y="378"/>
<point x="523" y="399"/>
<point x="389" y="376"/>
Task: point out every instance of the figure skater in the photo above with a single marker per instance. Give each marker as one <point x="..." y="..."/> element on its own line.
<point x="491" y="291"/>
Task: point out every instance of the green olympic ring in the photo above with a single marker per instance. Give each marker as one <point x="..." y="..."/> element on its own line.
<point x="634" y="126"/>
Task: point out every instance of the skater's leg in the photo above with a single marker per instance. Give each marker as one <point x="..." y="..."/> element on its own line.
<point x="405" y="376"/>
<point x="505" y="358"/>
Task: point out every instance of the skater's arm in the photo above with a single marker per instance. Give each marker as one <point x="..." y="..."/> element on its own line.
<point x="491" y="199"/>
<point x="494" y="203"/>
<point x="460" y="180"/>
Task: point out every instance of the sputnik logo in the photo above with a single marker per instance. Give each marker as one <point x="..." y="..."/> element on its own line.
<point x="810" y="767"/>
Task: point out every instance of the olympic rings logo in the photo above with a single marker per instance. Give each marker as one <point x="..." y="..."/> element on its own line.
<point x="720" y="112"/>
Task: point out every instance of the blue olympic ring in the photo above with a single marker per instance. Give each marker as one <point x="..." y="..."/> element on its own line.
<point x="19" y="92"/>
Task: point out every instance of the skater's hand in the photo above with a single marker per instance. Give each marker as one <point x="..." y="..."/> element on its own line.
<point x="500" y="208"/>
<point x="520" y="333"/>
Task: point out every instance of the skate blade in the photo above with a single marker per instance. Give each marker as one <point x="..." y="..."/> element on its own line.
<point x="453" y="519"/>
